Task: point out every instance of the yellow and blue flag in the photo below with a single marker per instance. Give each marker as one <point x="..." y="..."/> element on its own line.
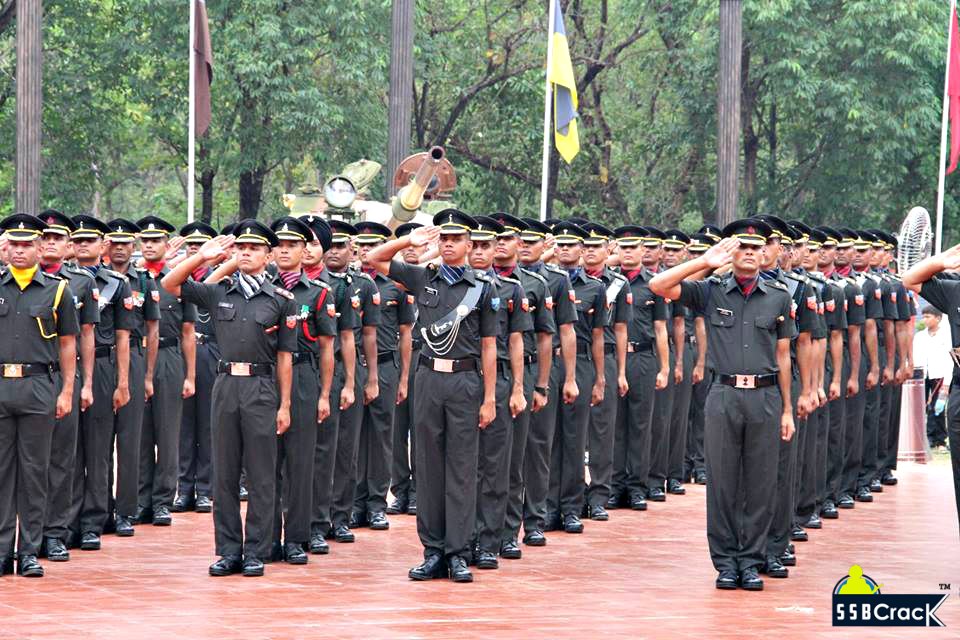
<point x="564" y="85"/>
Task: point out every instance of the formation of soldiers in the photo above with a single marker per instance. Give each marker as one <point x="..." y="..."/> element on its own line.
<point x="492" y="374"/>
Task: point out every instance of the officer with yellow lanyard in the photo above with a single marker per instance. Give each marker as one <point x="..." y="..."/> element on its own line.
<point x="39" y="323"/>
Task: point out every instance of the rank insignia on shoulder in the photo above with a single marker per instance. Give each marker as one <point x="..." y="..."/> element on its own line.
<point x="155" y="295"/>
<point x="291" y="322"/>
<point x="283" y="292"/>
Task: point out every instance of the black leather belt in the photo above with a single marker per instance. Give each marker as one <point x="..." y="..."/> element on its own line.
<point x="583" y="349"/>
<point x="205" y="338"/>
<point x="609" y="348"/>
<point x="449" y="366"/>
<point x="384" y="357"/>
<point x="244" y="369"/>
<point x="639" y="347"/>
<point x="299" y="357"/>
<point x="23" y="370"/>
<point x="102" y="351"/>
<point x="748" y="381"/>
<point x="172" y="341"/>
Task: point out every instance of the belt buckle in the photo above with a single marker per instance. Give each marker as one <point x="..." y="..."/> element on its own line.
<point x="746" y="382"/>
<point x="443" y="366"/>
<point x="13" y="371"/>
<point x="240" y="368"/>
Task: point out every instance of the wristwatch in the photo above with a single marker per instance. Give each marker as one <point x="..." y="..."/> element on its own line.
<point x="542" y="390"/>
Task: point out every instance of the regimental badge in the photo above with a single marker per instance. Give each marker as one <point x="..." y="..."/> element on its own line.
<point x="291" y="322"/>
<point x="548" y="302"/>
<point x="510" y="305"/>
<point x="376" y="298"/>
<point x="355" y="302"/>
<point x="846" y="305"/>
<point x="893" y="297"/>
<point x="858" y="299"/>
<point x="525" y="304"/>
<point x="411" y="299"/>
<point x="812" y="303"/>
<point x="495" y="304"/>
<point x="155" y="295"/>
<point x="128" y="303"/>
<point x="95" y="293"/>
<point x="877" y="293"/>
<point x="793" y="309"/>
<point x="332" y="310"/>
<point x="572" y="295"/>
<point x="831" y="305"/>
<point x="629" y="297"/>
<point x="820" y="309"/>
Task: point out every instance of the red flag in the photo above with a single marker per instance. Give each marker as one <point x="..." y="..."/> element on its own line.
<point x="953" y="89"/>
<point x="203" y="59"/>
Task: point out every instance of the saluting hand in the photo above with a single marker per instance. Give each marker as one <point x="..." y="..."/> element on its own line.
<point x="215" y="250"/>
<point x="950" y="259"/>
<point x="721" y="254"/>
<point x="422" y="236"/>
<point x="173" y="247"/>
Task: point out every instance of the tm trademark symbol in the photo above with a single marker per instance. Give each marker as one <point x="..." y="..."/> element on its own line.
<point x="944" y="587"/>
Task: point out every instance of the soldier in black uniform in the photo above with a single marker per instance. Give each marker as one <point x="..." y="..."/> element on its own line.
<point x="563" y="387"/>
<point x="603" y="417"/>
<point x="313" y="367"/>
<point x="111" y="382"/>
<point x="174" y="378"/>
<point x="648" y="369"/>
<point x="537" y="364"/>
<point x="458" y="315"/>
<point x="496" y="441"/>
<point x="925" y="279"/>
<point x="195" y="486"/>
<point x="701" y="378"/>
<point x="749" y="329"/>
<point x="674" y="252"/>
<point x="403" y="481"/>
<point x="566" y="498"/>
<point x="144" y="342"/>
<point x="38" y="319"/>
<point x="394" y="339"/>
<point x="256" y="325"/>
<point x="342" y="390"/>
<point x="62" y="508"/>
<point x="365" y="300"/>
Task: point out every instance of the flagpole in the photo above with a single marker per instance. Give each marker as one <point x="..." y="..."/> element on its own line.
<point x="545" y="171"/>
<point x="192" y="118"/>
<point x="938" y="239"/>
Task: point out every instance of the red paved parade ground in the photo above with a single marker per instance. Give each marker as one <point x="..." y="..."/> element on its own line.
<point x="638" y="575"/>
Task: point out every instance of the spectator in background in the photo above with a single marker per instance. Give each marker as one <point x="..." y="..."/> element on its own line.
<point x="931" y="350"/>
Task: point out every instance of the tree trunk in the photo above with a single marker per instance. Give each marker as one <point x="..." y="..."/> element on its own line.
<point x="728" y="110"/>
<point x="400" y="100"/>
<point x="207" y="175"/>
<point x="772" y="160"/>
<point x="29" y="103"/>
<point x="251" y="192"/>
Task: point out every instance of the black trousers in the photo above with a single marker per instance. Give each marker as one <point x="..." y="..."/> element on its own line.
<point x="94" y="446"/>
<point x="888" y="459"/>
<point x="403" y="479"/>
<point x="446" y="422"/>
<point x="493" y="468"/>
<point x="127" y="429"/>
<point x="244" y="436"/>
<point x="348" y="449"/>
<point x="631" y="449"/>
<point x="809" y="468"/>
<point x="936" y="424"/>
<point x="293" y="501"/>
<point x="196" y="468"/>
<point x="660" y="431"/>
<point x="836" y="435"/>
<point x="870" y="439"/>
<point x="566" y="491"/>
<point x="376" y="443"/>
<point x="953" y="433"/>
<point x="680" y="417"/>
<point x="855" y="410"/>
<point x="325" y="457"/>
<point x="62" y="509"/>
<point x="600" y="436"/>
<point x="783" y="500"/>
<point x="741" y="448"/>
<point x="539" y="454"/>
<point x="160" y="438"/>
<point x="518" y="458"/>
<point x="25" y="437"/>
<point x="823" y="436"/>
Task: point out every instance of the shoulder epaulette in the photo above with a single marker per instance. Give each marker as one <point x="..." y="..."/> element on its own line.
<point x="479" y="275"/>
<point x="142" y="270"/>
<point x="268" y="286"/>
<point x="617" y="275"/>
<point x="112" y="273"/>
<point x="431" y="266"/>
<point x="816" y="277"/>
<point x="533" y="274"/>
<point x="554" y="268"/>
<point x="715" y="279"/>
<point x="364" y="275"/>
<point x="510" y="279"/>
<point x="595" y="279"/>
<point x="78" y="271"/>
<point x="318" y="283"/>
<point x="776" y="284"/>
<point x="793" y="276"/>
<point x="52" y="276"/>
